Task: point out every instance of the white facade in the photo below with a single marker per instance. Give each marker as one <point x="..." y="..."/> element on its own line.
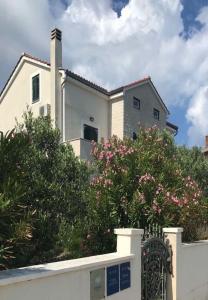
<point x="79" y="108"/>
<point x="82" y="103"/>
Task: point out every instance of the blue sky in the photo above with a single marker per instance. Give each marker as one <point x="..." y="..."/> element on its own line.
<point x="166" y="39"/>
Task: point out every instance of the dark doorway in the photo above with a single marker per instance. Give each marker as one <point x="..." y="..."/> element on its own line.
<point x="90" y="133"/>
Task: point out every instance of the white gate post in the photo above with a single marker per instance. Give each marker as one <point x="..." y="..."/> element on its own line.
<point x="129" y="242"/>
<point x="173" y="236"/>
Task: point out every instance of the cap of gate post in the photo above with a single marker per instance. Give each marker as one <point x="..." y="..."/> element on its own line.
<point x="129" y="242"/>
<point x="174" y="238"/>
<point x="173" y="230"/>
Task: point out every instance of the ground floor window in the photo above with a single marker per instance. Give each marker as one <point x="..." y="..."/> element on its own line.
<point x="90" y="133"/>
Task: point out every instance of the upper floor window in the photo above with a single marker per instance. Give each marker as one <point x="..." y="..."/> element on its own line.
<point x="156" y="114"/>
<point x="136" y="103"/>
<point x="90" y="133"/>
<point x="35" y="88"/>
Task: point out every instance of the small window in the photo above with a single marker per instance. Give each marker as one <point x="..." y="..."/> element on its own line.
<point x="156" y="114"/>
<point x="90" y="133"/>
<point x="35" y="88"/>
<point x="134" y="136"/>
<point x="136" y="103"/>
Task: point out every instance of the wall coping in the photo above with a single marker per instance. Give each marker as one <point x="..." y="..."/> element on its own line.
<point x="195" y="244"/>
<point x="173" y="230"/>
<point x="51" y="269"/>
<point x="129" y="231"/>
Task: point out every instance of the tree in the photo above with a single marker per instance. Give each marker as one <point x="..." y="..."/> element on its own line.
<point x="195" y="164"/>
<point x="13" y="216"/>
<point x="46" y="186"/>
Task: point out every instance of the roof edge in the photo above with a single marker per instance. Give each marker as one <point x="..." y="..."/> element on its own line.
<point x="171" y="125"/>
<point x="85" y="81"/>
<point x="16" y="66"/>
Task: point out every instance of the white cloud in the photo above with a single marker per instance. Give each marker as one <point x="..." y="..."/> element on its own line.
<point x="197" y="115"/>
<point x="112" y="51"/>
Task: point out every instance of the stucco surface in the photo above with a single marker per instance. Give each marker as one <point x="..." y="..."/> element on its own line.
<point x="144" y="116"/>
<point x="117" y="117"/>
<point x="81" y="104"/>
<point x="194" y="271"/>
<point x="18" y="96"/>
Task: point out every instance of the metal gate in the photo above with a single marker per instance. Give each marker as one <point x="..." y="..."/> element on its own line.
<point x="156" y="264"/>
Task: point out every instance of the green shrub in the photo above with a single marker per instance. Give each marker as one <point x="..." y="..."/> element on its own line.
<point x="42" y="185"/>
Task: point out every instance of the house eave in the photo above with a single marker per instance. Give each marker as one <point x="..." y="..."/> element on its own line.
<point x="82" y="85"/>
<point x="23" y="58"/>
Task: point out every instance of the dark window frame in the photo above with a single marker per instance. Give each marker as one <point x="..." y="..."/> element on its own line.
<point x="156" y="114"/>
<point x="136" y="100"/>
<point x="134" y="136"/>
<point x="36" y="88"/>
<point x="90" y="136"/>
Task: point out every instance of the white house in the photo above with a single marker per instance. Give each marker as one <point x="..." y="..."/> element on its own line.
<point x="81" y="109"/>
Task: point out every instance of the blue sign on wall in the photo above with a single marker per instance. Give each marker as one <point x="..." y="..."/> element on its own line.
<point x="125" y="276"/>
<point x="112" y="280"/>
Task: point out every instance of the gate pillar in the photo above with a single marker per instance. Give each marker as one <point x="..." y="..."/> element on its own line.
<point x="173" y="236"/>
<point x="129" y="242"/>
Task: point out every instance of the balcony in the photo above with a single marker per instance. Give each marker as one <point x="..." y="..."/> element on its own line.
<point x="205" y="151"/>
<point x="82" y="148"/>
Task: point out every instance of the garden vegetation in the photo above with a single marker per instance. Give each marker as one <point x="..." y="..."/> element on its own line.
<point x="54" y="206"/>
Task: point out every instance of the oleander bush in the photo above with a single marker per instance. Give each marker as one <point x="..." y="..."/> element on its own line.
<point x="138" y="183"/>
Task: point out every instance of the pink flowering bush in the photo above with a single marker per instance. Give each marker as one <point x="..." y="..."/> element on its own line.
<point x="138" y="183"/>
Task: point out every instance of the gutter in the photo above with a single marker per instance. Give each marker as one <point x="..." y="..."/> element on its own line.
<point x="63" y="100"/>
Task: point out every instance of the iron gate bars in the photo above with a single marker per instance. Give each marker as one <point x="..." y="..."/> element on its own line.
<point x="156" y="263"/>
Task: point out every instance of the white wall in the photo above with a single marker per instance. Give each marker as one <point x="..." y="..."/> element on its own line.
<point x="19" y="96"/>
<point x="65" y="280"/>
<point x="194" y="271"/>
<point x="189" y="278"/>
<point x="117" y="117"/>
<point x="70" y="280"/>
<point x="81" y="103"/>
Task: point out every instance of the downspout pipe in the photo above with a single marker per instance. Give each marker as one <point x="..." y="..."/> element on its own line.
<point x="63" y="100"/>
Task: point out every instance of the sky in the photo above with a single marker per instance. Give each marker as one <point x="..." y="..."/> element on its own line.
<point x="114" y="42"/>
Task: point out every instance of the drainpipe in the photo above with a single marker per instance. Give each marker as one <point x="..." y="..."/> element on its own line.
<point x="63" y="98"/>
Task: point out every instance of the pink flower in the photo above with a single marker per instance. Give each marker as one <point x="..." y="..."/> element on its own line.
<point x="106" y="145"/>
<point x="175" y="200"/>
<point x="145" y="178"/>
<point x="155" y="207"/>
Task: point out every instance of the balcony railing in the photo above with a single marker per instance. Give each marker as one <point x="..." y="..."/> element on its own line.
<point x="82" y="148"/>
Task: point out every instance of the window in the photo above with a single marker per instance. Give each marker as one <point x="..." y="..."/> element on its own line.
<point x="35" y="88"/>
<point x="90" y="133"/>
<point x="156" y="114"/>
<point x="134" y="136"/>
<point x="136" y="103"/>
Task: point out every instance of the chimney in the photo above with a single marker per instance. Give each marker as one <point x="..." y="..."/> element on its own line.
<point x="56" y="63"/>
<point x="206" y="141"/>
